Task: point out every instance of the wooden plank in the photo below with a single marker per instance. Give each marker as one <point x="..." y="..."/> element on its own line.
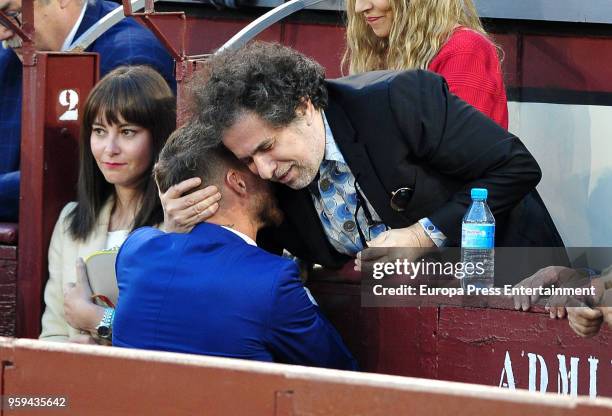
<point x="101" y="380"/>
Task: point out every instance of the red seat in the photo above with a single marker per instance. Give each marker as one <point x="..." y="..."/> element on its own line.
<point x="8" y="233"/>
<point x="8" y="278"/>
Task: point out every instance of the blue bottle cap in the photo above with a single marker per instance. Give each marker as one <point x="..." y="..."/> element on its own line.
<point x="479" y="193"/>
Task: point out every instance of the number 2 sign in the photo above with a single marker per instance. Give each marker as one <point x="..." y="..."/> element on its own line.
<point x="70" y="99"/>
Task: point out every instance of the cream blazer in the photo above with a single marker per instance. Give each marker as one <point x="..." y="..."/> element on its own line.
<point x="63" y="253"/>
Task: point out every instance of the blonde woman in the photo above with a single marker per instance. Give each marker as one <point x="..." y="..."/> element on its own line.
<point x="443" y="36"/>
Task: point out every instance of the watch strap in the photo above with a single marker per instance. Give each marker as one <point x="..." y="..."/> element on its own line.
<point x="105" y="327"/>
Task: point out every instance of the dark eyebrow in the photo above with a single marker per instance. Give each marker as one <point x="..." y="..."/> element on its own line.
<point x="259" y="148"/>
<point x="263" y="144"/>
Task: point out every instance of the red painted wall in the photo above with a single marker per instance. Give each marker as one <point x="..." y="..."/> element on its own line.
<point x="579" y="63"/>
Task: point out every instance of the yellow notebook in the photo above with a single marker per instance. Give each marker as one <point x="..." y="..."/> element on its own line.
<point x="101" y="273"/>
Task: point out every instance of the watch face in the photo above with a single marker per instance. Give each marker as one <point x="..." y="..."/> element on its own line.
<point x="103" y="331"/>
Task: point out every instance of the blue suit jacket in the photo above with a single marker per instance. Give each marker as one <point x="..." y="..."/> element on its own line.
<point x="127" y="42"/>
<point x="209" y="292"/>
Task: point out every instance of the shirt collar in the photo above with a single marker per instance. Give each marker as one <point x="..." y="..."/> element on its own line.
<point x="70" y="37"/>
<point x="245" y="237"/>
<point x="331" y="148"/>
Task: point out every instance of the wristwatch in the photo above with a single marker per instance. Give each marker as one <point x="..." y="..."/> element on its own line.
<point x="105" y="327"/>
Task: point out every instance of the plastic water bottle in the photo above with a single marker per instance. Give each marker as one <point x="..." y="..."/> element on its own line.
<point x="478" y="242"/>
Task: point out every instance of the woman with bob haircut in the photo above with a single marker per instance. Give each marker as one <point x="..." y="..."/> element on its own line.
<point x="442" y="36"/>
<point x="127" y="118"/>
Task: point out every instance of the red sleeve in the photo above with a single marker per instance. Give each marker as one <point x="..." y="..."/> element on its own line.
<point x="469" y="63"/>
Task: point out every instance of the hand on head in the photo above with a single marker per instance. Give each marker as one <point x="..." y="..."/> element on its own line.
<point x="183" y="212"/>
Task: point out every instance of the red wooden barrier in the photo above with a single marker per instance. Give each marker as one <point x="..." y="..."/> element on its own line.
<point x="102" y="380"/>
<point x="54" y="90"/>
<point x="494" y="346"/>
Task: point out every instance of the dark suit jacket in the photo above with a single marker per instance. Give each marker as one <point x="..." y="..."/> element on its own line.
<point x="209" y="292"/>
<point x="126" y="43"/>
<point x="405" y="129"/>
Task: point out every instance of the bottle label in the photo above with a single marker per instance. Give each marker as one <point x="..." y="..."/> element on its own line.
<point x="478" y="236"/>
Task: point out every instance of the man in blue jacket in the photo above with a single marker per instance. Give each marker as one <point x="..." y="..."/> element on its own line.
<point x="58" y="23"/>
<point x="213" y="291"/>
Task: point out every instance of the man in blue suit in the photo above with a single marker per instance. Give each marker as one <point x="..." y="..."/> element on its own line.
<point x="213" y="291"/>
<point x="58" y="23"/>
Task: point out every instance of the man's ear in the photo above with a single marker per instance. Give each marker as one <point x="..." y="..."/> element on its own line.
<point x="306" y="110"/>
<point x="235" y="181"/>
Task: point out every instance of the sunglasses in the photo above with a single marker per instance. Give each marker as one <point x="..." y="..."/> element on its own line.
<point x="400" y="198"/>
<point x="12" y="21"/>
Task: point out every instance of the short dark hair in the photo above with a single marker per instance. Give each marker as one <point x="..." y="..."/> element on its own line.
<point x="139" y="95"/>
<point x="188" y="154"/>
<point x="268" y="79"/>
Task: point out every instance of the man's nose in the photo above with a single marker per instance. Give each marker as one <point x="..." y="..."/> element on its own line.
<point x="264" y="167"/>
<point x="362" y="5"/>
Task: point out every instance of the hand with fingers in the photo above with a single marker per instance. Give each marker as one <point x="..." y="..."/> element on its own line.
<point x="11" y="8"/>
<point x="184" y="208"/>
<point x="585" y="321"/>
<point x="557" y="304"/>
<point x="585" y="315"/>
<point x="79" y="310"/>
<point x="404" y="243"/>
<point x="552" y="275"/>
<point x="605" y="306"/>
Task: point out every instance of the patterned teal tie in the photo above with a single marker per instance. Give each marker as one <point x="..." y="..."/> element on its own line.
<point x="337" y="207"/>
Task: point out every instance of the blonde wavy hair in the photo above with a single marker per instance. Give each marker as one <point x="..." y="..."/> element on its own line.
<point x="418" y="31"/>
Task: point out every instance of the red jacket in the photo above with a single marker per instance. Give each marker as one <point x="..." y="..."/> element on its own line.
<point x="470" y="65"/>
